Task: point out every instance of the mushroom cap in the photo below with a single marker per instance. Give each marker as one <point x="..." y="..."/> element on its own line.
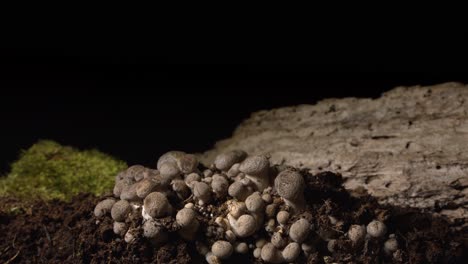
<point x="186" y="217"/>
<point x="246" y="226"/>
<point x="255" y="165"/>
<point x="120" y="176"/>
<point x="120" y="228"/>
<point x="145" y="187"/>
<point x="242" y="248"/>
<point x="136" y="172"/>
<point x="222" y="249"/>
<point x="271" y="254"/>
<point x="104" y="207"/>
<point x="291" y="252"/>
<point x="170" y="156"/>
<point x="254" y="202"/>
<point x="180" y="188"/>
<point x="201" y="190"/>
<point x="151" y="230"/>
<point x="118" y="187"/>
<point x="376" y="228"/>
<point x="187" y="163"/>
<point x="282" y="217"/>
<point x="224" y="161"/>
<point x="357" y="233"/>
<point x="238" y="190"/>
<point x="220" y="185"/>
<point x="299" y="230"/>
<point x="191" y="178"/>
<point x="270" y="210"/>
<point x="120" y="210"/>
<point x="331" y="245"/>
<point x="290" y="184"/>
<point x="236" y="209"/>
<point x="156" y="205"/>
<point x="391" y="245"/>
<point x="129" y="192"/>
<point x="169" y="170"/>
<point x="278" y="240"/>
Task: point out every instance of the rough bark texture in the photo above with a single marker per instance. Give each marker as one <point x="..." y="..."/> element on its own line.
<point x="408" y="148"/>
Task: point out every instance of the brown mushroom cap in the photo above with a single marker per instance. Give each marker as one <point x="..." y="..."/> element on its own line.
<point x="129" y="192"/>
<point x="151" y="230"/>
<point x="357" y="233"/>
<point x="201" y="190"/>
<point x="145" y="187"/>
<point x="220" y="185"/>
<point x="299" y="230"/>
<point x="103" y="207"/>
<point x="185" y="217"/>
<point x="291" y="252"/>
<point x="245" y="226"/>
<point x="255" y="203"/>
<point x="255" y="165"/>
<point x="156" y="205"/>
<point x="239" y="191"/>
<point x="290" y="184"/>
<point x="222" y="249"/>
<point x="376" y="229"/>
<point x="120" y="228"/>
<point x="169" y="170"/>
<point x="120" y="210"/>
<point x="187" y="163"/>
<point x="224" y="161"/>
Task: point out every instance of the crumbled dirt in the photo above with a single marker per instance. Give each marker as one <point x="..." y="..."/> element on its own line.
<point x="68" y="232"/>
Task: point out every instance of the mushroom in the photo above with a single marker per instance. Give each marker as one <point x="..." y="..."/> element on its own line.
<point x="233" y="171"/>
<point x="244" y="226"/>
<point x="241" y="248"/>
<point x="220" y="185"/>
<point x="291" y="252"/>
<point x="270" y="210"/>
<point x="129" y="193"/>
<point x="256" y="207"/>
<point x="191" y="179"/>
<point x="180" y="188"/>
<point x="256" y="170"/>
<point x="376" y="229"/>
<point x="224" y="161"/>
<point x="154" y="232"/>
<point x="120" y="210"/>
<point x="130" y="236"/>
<point x="357" y="234"/>
<point x="104" y="207"/>
<point x="236" y="209"/>
<point x="332" y="245"/>
<point x="120" y="228"/>
<point x="202" y="192"/>
<point x="271" y="254"/>
<point x="282" y="217"/>
<point x="239" y="191"/>
<point x="299" y="230"/>
<point x="156" y="205"/>
<point x="391" y="245"/>
<point x="186" y="219"/>
<point x="169" y="171"/>
<point x="278" y="241"/>
<point x="222" y="249"/>
<point x="147" y="186"/>
<point x="136" y="172"/>
<point x="290" y="186"/>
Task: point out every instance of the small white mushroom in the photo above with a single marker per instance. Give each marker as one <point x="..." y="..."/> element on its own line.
<point x="180" y="188"/>
<point x="391" y="245"/>
<point x="376" y="229"/>
<point x="118" y="187"/>
<point x="256" y="170"/>
<point x="120" y="228"/>
<point x="230" y="236"/>
<point x="254" y="203"/>
<point x="278" y="240"/>
<point x="239" y="191"/>
<point x="169" y="171"/>
<point x="267" y="198"/>
<point x="156" y="205"/>
<point x="233" y="171"/>
<point x="299" y="230"/>
<point x="187" y="163"/>
<point x="241" y="248"/>
<point x="220" y="185"/>
<point x="260" y="243"/>
<point x="290" y="186"/>
<point x="135" y="173"/>
<point x="147" y="186"/>
<point x="202" y="192"/>
<point x="129" y="193"/>
<point x="357" y="234"/>
<point x="282" y="217"/>
<point x="270" y="226"/>
<point x="270" y="210"/>
<point x="222" y="249"/>
<point x="212" y="259"/>
<point x="271" y="254"/>
<point x="244" y="226"/>
<point x="104" y="207"/>
<point x="130" y="236"/>
<point x="207" y="173"/>
<point x="236" y="209"/>
<point x="186" y="219"/>
<point x="257" y="253"/>
<point x="154" y="232"/>
<point x="291" y="252"/>
<point x="191" y="179"/>
<point x="120" y="210"/>
<point x="224" y="161"/>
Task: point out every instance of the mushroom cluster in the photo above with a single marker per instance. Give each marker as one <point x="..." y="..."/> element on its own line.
<point x="240" y="204"/>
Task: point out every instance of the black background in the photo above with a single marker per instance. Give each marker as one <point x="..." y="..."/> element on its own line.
<point x="137" y="107"/>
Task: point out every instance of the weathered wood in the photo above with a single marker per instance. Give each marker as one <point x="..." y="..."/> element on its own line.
<point x="408" y="148"/>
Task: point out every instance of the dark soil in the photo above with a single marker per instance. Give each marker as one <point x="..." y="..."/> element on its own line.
<point x="61" y="232"/>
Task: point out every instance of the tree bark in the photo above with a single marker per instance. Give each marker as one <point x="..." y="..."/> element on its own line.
<point x="408" y="148"/>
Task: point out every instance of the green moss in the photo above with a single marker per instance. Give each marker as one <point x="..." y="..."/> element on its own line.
<point x="48" y="170"/>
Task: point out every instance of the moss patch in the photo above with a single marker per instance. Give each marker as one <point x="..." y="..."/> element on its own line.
<point x="48" y="170"/>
